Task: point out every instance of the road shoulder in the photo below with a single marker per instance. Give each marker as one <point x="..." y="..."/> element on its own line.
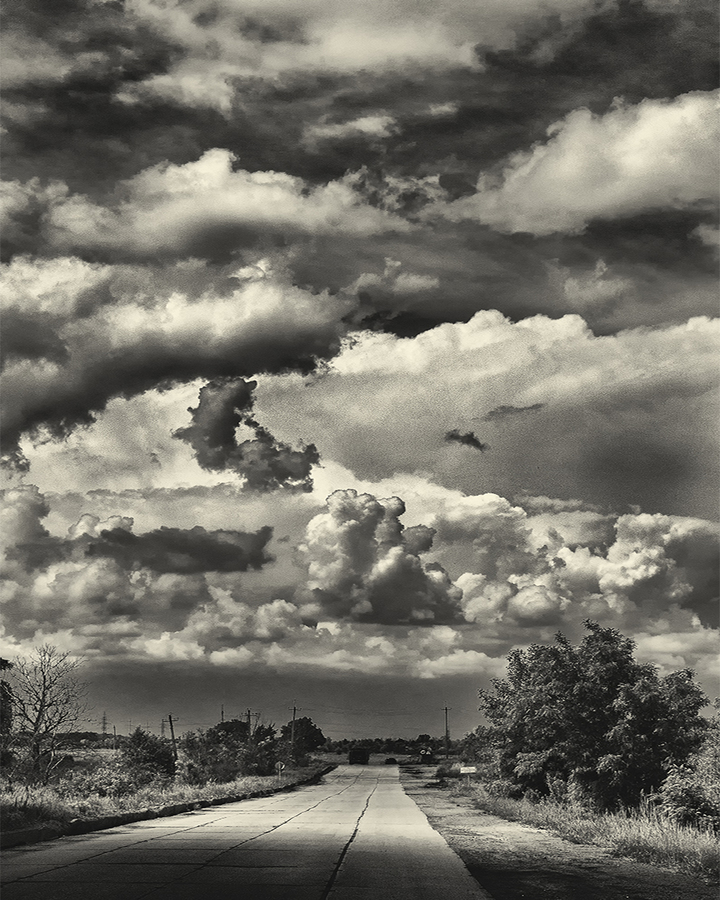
<point x="516" y="862"/>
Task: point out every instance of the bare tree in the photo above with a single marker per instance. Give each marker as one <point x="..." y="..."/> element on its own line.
<point x="48" y="698"/>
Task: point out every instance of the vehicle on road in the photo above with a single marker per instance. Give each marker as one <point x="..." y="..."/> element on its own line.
<point x="359" y="756"/>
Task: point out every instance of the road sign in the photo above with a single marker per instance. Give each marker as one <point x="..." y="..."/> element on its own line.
<point x="279" y="766"/>
<point x="468" y="770"/>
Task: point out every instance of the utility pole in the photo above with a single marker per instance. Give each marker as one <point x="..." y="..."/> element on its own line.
<point x="447" y="733"/>
<point x="222" y="713"/>
<point x="104" y="724"/>
<point x="249" y="722"/>
<point x="172" y="737"/>
<point x="162" y="728"/>
<point x="292" y="729"/>
<point x="114" y="738"/>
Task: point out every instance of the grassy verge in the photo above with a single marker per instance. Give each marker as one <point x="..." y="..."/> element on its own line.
<point x="50" y="806"/>
<point x="642" y="835"/>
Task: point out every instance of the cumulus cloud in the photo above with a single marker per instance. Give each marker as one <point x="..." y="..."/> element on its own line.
<point x="659" y="154"/>
<point x="264" y="463"/>
<point x="202" y="208"/>
<point x="540" y="570"/>
<point x="635" y="410"/>
<point x="361" y="566"/>
<point x="239" y="326"/>
<point x="102" y="571"/>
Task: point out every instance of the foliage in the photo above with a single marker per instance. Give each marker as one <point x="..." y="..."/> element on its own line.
<point x="228" y="750"/>
<point x="6" y="715"/>
<point x="147" y="757"/>
<point x="690" y="794"/>
<point x="301" y="738"/>
<point x="81" y="795"/>
<point x="590" y="720"/>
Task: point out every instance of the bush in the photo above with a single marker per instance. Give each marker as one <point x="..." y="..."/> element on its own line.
<point x="227" y="751"/>
<point x="687" y="799"/>
<point x="147" y="757"/>
<point x="690" y="794"/>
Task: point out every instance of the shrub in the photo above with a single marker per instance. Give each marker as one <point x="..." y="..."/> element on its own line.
<point x="687" y="799"/>
<point x="227" y="751"/>
<point x="147" y="756"/>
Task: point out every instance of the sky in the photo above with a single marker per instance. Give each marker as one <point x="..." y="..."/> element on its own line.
<point x="348" y="346"/>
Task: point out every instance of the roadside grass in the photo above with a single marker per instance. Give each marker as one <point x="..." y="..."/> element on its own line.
<point x="56" y="805"/>
<point x="644" y="835"/>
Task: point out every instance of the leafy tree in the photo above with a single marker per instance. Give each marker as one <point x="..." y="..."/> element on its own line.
<point x="228" y="750"/>
<point x="148" y="756"/>
<point x="48" y="698"/>
<point x="591" y="720"/>
<point x="303" y="739"/>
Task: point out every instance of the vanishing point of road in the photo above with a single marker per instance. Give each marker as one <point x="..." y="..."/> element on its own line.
<point x="355" y="836"/>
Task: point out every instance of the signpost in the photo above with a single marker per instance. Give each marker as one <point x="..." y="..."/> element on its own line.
<point x="279" y="766"/>
<point x="468" y="770"/>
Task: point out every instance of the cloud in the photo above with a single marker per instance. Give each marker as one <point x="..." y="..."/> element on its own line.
<point x="103" y="572"/>
<point x="361" y="566"/>
<point x="468" y="439"/>
<point x="184" y="551"/>
<point x="264" y="463"/>
<point x="656" y="155"/>
<point x="618" y="419"/>
<point x="140" y="339"/>
<point x="500" y="412"/>
<point x="365" y="127"/>
<point x="205" y="208"/>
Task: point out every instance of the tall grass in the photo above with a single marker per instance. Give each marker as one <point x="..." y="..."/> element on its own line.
<point x="643" y="834"/>
<point x="33" y="806"/>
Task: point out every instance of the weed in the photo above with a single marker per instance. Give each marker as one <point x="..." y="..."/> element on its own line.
<point x="644" y="834"/>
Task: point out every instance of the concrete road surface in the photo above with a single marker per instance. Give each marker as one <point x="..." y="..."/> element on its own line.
<point x="355" y="836"/>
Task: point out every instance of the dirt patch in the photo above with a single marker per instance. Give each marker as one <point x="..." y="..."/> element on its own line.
<point x="518" y="862"/>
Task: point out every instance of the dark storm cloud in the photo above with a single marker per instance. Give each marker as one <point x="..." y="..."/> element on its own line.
<point x="468" y="439"/>
<point x="698" y="560"/>
<point x="184" y="551"/>
<point x="502" y="412"/>
<point x="145" y="340"/>
<point x="29" y="337"/>
<point x="265" y="463"/>
<point x="163" y="550"/>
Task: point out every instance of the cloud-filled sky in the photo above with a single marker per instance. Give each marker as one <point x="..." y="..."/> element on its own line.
<point x="348" y="346"/>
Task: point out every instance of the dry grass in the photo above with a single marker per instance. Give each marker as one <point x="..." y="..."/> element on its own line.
<point x="52" y="805"/>
<point x="643" y="834"/>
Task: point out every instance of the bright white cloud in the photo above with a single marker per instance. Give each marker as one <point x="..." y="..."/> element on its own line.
<point x="660" y="154"/>
<point x="172" y="209"/>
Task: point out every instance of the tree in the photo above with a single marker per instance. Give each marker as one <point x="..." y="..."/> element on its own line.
<point x="6" y="714"/>
<point x="48" y="697"/>
<point x="590" y="719"/>
<point x="303" y="738"/>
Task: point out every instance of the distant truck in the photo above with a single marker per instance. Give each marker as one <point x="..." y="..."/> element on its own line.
<point x="359" y="756"/>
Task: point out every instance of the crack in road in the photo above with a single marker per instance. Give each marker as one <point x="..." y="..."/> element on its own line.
<point x="331" y="881"/>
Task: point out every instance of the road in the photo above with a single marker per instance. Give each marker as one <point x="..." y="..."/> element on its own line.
<point x="355" y="836"/>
